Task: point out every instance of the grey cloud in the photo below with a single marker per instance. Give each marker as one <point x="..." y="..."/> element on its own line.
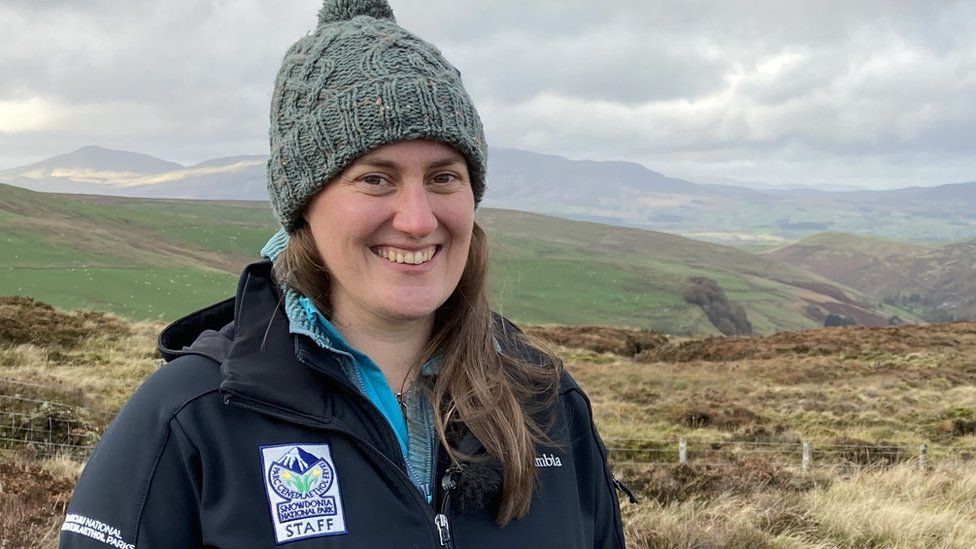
<point x="760" y="88"/>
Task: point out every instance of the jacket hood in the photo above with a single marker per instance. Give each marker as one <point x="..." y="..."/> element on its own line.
<point x="208" y="332"/>
<point x="246" y="333"/>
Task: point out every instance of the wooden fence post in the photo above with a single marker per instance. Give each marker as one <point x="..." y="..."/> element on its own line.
<point x="682" y="450"/>
<point x="806" y="456"/>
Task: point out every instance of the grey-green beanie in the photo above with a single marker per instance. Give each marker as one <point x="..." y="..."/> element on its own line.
<point x="360" y="81"/>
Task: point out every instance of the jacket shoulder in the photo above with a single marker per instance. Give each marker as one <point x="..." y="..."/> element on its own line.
<point x="145" y="446"/>
<point x="178" y="382"/>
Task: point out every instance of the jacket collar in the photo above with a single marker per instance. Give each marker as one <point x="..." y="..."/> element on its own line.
<point x="260" y="360"/>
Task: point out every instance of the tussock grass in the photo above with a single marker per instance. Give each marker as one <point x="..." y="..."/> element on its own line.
<point x="869" y="388"/>
<point x="900" y="507"/>
<point x="838" y="387"/>
<point x="897" y="507"/>
<point x="100" y="371"/>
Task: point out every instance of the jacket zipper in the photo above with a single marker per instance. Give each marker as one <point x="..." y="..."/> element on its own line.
<point x="347" y="387"/>
<point x="448" y="481"/>
<point x="398" y="473"/>
<point x="448" y="484"/>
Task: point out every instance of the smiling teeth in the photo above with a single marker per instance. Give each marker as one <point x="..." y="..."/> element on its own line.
<point x="397" y="255"/>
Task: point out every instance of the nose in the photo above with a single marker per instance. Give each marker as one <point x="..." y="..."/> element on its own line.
<point x="414" y="213"/>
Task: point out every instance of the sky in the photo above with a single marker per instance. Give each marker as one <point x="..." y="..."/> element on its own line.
<point x="870" y="94"/>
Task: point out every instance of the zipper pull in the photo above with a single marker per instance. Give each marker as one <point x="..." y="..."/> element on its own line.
<point x="443" y="529"/>
<point x="448" y="483"/>
<point x="620" y="486"/>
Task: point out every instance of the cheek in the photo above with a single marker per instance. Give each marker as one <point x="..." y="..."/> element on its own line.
<point x="461" y="242"/>
<point x="456" y="213"/>
<point x="337" y="236"/>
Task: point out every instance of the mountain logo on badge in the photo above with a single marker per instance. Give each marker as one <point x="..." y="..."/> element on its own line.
<point x="300" y="475"/>
<point x="302" y="485"/>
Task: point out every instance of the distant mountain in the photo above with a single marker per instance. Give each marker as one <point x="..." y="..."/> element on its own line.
<point x="759" y="185"/>
<point x="592" y="190"/>
<point x="232" y="161"/>
<point x="937" y="282"/>
<point x="97" y="170"/>
<point x="962" y="192"/>
<point x="618" y="193"/>
<point x="88" y="169"/>
<point x="234" y="178"/>
<point x="99" y="159"/>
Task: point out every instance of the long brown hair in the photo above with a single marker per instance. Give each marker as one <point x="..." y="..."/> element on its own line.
<point x="499" y="397"/>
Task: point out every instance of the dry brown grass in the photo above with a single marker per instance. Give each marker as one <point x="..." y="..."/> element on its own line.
<point x="601" y="339"/>
<point x="33" y="496"/>
<point x="897" y="507"/>
<point x="904" y="385"/>
<point x="83" y="358"/>
<point x="852" y="386"/>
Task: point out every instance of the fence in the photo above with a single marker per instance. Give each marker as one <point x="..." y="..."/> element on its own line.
<point x="46" y="427"/>
<point x="805" y="454"/>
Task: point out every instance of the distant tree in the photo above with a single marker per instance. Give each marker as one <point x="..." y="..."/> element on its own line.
<point x="729" y="318"/>
<point x="834" y="320"/>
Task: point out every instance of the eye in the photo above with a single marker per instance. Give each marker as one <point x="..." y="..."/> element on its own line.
<point x="373" y="179"/>
<point x="445" y="178"/>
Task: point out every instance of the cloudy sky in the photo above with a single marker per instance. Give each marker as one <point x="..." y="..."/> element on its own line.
<point x="876" y="94"/>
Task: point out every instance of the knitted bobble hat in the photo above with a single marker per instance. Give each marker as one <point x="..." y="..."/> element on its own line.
<point x="360" y="81"/>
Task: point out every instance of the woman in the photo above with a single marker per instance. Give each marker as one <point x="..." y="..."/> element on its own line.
<point x="357" y="391"/>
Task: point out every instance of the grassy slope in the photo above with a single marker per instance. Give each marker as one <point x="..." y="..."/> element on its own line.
<point x="610" y="275"/>
<point x="880" y="268"/>
<point x="162" y="258"/>
<point x="139" y="258"/>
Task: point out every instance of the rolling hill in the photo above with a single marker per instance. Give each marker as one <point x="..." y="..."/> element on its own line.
<point x="154" y="258"/>
<point x="937" y="282"/>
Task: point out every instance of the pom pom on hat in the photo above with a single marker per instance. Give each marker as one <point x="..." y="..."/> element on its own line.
<point x="342" y="10"/>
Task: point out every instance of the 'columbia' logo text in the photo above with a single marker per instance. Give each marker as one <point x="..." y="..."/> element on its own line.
<point x="548" y="460"/>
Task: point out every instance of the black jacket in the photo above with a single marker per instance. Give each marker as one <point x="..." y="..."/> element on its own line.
<point x="252" y="437"/>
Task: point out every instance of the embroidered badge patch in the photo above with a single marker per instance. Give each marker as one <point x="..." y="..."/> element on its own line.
<point x="303" y="491"/>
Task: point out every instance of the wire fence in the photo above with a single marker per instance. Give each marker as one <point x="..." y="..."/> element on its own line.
<point x="46" y="427"/>
<point x="805" y="454"/>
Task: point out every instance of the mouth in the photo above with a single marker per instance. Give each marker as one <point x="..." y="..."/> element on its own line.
<point x="410" y="257"/>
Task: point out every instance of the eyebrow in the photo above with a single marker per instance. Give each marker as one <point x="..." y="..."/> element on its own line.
<point x="389" y="164"/>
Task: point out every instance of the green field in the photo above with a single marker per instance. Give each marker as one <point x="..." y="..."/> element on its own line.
<point x="159" y="259"/>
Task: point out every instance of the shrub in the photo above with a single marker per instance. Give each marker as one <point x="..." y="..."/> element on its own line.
<point x="729" y="318"/>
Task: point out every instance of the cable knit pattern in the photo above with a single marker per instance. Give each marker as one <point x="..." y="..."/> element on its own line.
<point x="358" y="82"/>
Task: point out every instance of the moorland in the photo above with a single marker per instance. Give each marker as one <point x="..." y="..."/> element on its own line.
<point x="865" y="398"/>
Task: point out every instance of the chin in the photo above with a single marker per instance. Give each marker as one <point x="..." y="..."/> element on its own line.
<point x="413" y="311"/>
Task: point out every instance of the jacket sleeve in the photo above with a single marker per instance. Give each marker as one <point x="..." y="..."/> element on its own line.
<point x="595" y="475"/>
<point x="140" y="486"/>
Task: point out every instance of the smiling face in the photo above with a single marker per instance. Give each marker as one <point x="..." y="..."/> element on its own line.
<point x="394" y="229"/>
